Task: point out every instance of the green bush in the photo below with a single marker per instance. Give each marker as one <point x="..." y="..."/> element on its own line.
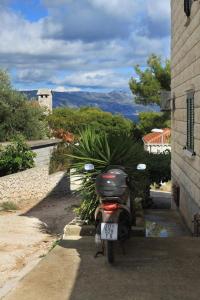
<point x="78" y="119"/>
<point x="103" y="150"/>
<point x="18" y="115"/>
<point x="150" y="120"/>
<point x="16" y="157"/>
<point x="159" y="166"/>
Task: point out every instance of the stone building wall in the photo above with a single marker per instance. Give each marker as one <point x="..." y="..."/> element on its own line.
<point x="185" y="50"/>
<point x="33" y="185"/>
<point x="45" y="99"/>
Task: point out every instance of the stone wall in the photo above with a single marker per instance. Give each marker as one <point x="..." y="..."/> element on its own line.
<point x="186" y="76"/>
<point x="43" y="155"/>
<point x="33" y="185"/>
<point x="43" y="150"/>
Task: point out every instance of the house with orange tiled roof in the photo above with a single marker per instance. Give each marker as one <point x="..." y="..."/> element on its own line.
<point x="157" y="142"/>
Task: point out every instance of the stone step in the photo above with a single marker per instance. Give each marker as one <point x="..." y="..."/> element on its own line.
<point x="89" y="230"/>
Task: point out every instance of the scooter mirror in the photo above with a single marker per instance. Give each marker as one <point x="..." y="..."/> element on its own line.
<point x="141" y="167"/>
<point x="89" y="167"/>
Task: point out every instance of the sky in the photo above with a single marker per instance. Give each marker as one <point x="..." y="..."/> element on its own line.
<point x="80" y="45"/>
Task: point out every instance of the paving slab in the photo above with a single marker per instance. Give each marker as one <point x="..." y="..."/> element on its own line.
<point x="165" y="223"/>
<point x="152" y="269"/>
<point x="89" y="230"/>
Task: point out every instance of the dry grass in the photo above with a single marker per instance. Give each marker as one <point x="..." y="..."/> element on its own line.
<point x="8" y="205"/>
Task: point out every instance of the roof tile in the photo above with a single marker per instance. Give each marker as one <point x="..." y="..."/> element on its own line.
<point x="157" y="137"/>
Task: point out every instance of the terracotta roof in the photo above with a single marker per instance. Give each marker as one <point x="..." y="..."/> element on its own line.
<point x="157" y="137"/>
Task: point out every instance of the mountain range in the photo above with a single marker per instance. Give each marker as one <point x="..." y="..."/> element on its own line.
<point x="114" y="102"/>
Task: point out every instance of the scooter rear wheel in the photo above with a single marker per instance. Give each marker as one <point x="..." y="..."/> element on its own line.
<point x="110" y="251"/>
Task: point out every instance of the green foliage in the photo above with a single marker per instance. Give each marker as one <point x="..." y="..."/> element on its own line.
<point x="59" y="161"/>
<point x="16" y="157"/>
<point x="4" y="81"/>
<point x="150" y="120"/>
<point x="102" y="150"/>
<point x="87" y="207"/>
<point x="159" y="166"/>
<point x="155" y="77"/>
<point x="8" y="205"/>
<point x="18" y="115"/>
<point x="76" y="120"/>
<point x="158" y="169"/>
<point x="106" y="149"/>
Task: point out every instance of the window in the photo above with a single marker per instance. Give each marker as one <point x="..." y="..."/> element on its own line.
<point x="187" y="7"/>
<point x="190" y="121"/>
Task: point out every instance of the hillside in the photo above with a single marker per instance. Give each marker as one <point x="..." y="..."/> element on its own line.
<point x="114" y="102"/>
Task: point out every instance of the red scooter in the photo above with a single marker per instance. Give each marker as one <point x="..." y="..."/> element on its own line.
<point x="113" y="216"/>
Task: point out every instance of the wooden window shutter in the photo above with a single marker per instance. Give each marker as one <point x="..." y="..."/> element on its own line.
<point x="187" y="7"/>
<point x="190" y="121"/>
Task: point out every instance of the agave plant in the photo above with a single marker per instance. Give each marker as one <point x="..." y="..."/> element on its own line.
<point x="101" y="150"/>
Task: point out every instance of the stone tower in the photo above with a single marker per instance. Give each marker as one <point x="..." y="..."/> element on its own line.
<point x="45" y="99"/>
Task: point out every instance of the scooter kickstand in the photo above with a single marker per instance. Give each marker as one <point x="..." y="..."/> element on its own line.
<point x="100" y="252"/>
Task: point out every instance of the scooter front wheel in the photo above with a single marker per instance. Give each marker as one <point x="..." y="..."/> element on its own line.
<point x="110" y="251"/>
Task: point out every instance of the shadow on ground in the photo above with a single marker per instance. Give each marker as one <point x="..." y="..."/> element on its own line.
<point x="152" y="269"/>
<point x="161" y="200"/>
<point x="54" y="212"/>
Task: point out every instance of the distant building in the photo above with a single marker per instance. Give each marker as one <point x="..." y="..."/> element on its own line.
<point x="156" y="142"/>
<point x="185" y="106"/>
<point x="45" y="99"/>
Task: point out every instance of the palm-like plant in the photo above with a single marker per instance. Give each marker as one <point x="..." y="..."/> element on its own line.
<point x="102" y="150"/>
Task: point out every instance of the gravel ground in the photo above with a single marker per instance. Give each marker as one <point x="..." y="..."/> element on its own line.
<point x="27" y="235"/>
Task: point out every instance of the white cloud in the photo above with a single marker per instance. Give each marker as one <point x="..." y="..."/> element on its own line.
<point x="66" y="89"/>
<point x="144" y="45"/>
<point x="122" y="9"/>
<point x="80" y="47"/>
<point x="95" y="79"/>
<point x="158" y="9"/>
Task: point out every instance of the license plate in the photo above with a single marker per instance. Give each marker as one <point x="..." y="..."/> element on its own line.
<point x="109" y="231"/>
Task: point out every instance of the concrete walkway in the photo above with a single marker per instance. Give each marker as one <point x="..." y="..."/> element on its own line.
<point x="161" y="221"/>
<point x="152" y="269"/>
